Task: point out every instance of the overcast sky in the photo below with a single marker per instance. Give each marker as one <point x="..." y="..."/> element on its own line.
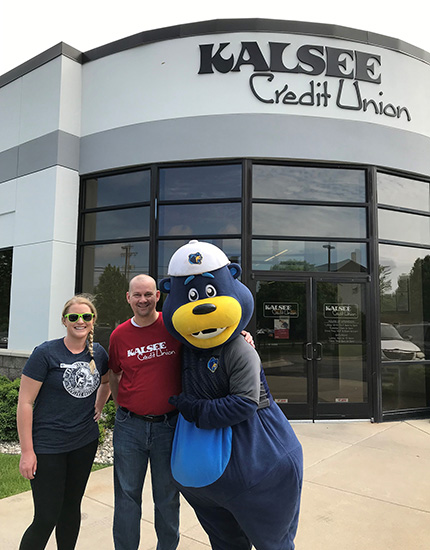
<point x="29" y="27"/>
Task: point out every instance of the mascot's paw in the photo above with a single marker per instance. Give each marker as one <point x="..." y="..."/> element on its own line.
<point x="185" y="405"/>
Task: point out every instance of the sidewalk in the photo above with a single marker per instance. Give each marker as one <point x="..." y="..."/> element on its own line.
<point x="366" y="486"/>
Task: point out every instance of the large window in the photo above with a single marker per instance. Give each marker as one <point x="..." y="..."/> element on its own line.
<point x="298" y="220"/>
<point x="404" y="281"/>
<point x="304" y="183"/>
<point x="115" y="232"/>
<point x="186" y="183"/>
<point x="269" y="217"/>
<point x="166" y="249"/>
<point x="199" y="202"/>
<point x="283" y="255"/>
<point x="404" y="193"/>
<point x="5" y="284"/>
<point x="298" y="223"/>
<point x="133" y="222"/>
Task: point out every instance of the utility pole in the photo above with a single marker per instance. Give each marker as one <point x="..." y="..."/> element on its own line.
<point x="127" y="254"/>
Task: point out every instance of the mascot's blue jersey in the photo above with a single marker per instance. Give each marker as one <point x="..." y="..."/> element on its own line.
<point x="228" y="388"/>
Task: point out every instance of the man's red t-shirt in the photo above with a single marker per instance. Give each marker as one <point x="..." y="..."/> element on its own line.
<point x="150" y="361"/>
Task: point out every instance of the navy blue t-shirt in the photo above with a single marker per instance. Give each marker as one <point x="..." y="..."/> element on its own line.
<point x="64" y="408"/>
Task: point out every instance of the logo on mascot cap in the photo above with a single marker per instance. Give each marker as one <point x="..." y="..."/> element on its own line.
<point x="196" y="258"/>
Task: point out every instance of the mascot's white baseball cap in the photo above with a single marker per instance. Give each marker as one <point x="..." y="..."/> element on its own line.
<point x="196" y="258"/>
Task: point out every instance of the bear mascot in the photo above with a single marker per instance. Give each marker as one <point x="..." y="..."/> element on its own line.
<point x="235" y="457"/>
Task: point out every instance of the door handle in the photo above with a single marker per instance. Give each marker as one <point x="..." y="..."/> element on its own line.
<point x="307" y="351"/>
<point x="318" y="349"/>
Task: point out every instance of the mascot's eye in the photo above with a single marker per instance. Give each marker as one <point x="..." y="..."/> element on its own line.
<point x="210" y="291"/>
<point x="193" y="295"/>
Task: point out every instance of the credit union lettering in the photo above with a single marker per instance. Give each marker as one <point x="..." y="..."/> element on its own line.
<point x="337" y="75"/>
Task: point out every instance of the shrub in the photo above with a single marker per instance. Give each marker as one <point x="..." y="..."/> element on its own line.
<point x="8" y="403"/>
<point x="108" y="415"/>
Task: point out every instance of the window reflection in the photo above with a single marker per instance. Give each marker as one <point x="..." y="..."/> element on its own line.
<point x="281" y="346"/>
<point x="166" y="249"/>
<point x="343" y="368"/>
<point x="305" y="183"/>
<point x="403" y="192"/>
<point x="400" y="226"/>
<point x="309" y="256"/>
<point x="201" y="182"/>
<point x="5" y="285"/>
<point x="118" y="189"/>
<point x="308" y="221"/>
<point x="129" y="258"/>
<point x="117" y="224"/>
<point x="107" y="270"/>
<point x="200" y="219"/>
<point x="404" y="282"/>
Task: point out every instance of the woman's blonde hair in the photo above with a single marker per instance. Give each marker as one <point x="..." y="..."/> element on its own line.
<point x="86" y="300"/>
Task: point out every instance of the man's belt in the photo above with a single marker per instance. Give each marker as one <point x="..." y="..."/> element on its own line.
<point x="151" y="417"/>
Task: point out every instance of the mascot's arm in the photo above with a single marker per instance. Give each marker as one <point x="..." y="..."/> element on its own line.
<point x="214" y="413"/>
<point x="243" y="368"/>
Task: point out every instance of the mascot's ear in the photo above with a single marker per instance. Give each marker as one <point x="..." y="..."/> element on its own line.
<point x="235" y="270"/>
<point x="165" y="285"/>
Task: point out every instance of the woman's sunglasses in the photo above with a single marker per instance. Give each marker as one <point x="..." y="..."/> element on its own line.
<point x="73" y="317"/>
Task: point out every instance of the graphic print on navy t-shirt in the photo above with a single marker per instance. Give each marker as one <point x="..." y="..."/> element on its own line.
<point x="78" y="379"/>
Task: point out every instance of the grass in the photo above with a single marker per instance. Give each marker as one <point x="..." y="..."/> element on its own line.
<point x="12" y="482"/>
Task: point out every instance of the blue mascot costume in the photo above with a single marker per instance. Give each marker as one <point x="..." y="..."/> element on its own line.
<point x="235" y="457"/>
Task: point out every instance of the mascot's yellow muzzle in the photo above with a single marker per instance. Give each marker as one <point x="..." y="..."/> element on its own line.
<point x="208" y="323"/>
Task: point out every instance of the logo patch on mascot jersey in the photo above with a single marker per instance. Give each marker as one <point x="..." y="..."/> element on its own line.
<point x="213" y="364"/>
<point x="195" y="258"/>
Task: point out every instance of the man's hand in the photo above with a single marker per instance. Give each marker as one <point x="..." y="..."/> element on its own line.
<point x="185" y="405"/>
<point x="248" y="338"/>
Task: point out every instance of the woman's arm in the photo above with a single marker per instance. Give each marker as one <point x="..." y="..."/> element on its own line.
<point x="102" y="396"/>
<point x="28" y="392"/>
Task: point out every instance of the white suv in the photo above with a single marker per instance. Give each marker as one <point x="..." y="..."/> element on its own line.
<point x="396" y="348"/>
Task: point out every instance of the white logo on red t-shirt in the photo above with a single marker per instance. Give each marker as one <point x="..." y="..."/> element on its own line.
<point x="151" y="350"/>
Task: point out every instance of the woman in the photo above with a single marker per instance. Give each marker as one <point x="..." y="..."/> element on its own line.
<point x="64" y="387"/>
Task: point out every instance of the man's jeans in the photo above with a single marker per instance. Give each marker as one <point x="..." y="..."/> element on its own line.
<point x="135" y="442"/>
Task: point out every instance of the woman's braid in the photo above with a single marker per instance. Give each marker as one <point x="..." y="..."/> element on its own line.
<point x="91" y="350"/>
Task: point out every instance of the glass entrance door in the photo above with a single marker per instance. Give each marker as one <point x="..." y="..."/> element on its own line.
<point x="311" y="335"/>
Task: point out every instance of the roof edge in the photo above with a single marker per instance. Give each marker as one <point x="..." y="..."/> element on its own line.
<point x="35" y="62"/>
<point x="216" y="26"/>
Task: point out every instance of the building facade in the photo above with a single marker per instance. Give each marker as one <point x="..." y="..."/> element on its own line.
<point x="300" y="149"/>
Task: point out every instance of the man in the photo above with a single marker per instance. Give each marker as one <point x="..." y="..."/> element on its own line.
<point x="145" y="370"/>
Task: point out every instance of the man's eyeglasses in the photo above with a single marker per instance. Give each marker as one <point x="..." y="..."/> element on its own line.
<point x="73" y="317"/>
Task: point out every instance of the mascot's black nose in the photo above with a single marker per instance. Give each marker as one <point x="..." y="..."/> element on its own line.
<point x="203" y="309"/>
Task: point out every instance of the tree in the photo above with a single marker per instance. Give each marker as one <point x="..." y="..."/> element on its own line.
<point x="419" y="280"/>
<point x="5" y="282"/>
<point x="110" y="299"/>
<point x="386" y="289"/>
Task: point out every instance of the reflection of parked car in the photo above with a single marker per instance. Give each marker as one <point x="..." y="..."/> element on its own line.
<point x="266" y="332"/>
<point x="3" y="340"/>
<point x="396" y="348"/>
<point x="419" y="334"/>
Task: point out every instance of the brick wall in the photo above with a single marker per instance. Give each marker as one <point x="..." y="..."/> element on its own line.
<point x="12" y="363"/>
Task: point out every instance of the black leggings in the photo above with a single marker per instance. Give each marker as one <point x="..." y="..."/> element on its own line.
<point x="58" y="488"/>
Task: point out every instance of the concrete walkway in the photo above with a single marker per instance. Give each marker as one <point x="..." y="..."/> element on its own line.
<point x="366" y="486"/>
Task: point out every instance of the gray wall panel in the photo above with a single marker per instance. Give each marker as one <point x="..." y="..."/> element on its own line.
<point x="68" y="151"/>
<point x="8" y="164"/>
<point x="38" y="154"/>
<point x="57" y="148"/>
<point x="263" y="136"/>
